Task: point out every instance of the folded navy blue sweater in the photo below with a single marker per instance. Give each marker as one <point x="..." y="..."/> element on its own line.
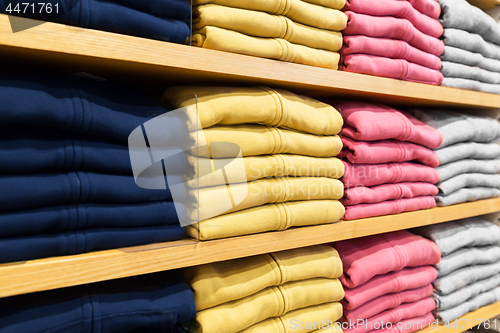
<point x="109" y="16"/>
<point x="173" y="9"/>
<point x="32" y="191"/>
<point x="69" y="243"/>
<point x="80" y="106"/>
<point x="66" y="218"/>
<point x="149" y="303"/>
<point x="29" y="149"/>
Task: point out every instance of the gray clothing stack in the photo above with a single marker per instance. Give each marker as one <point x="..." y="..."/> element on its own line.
<point x="469" y="155"/>
<point x="471" y="59"/>
<point x="469" y="271"/>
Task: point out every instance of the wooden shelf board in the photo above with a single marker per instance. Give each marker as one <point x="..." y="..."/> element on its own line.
<point x="485" y="4"/>
<point x="464" y="323"/>
<point x="160" y="64"/>
<point x="52" y="273"/>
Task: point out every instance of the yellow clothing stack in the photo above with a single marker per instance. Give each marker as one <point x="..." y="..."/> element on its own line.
<point x="280" y="292"/>
<point x="304" y="32"/>
<point x="287" y="144"/>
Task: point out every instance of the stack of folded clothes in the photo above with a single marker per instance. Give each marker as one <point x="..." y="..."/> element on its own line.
<point x="287" y="291"/>
<point x="154" y="303"/>
<point x="155" y="19"/>
<point x="468" y="155"/>
<point x="300" y="31"/>
<point x="469" y="271"/>
<point x="387" y="282"/>
<point x="471" y="58"/>
<point x="287" y="143"/>
<point x="389" y="166"/>
<point x="394" y="39"/>
<point x="66" y="182"/>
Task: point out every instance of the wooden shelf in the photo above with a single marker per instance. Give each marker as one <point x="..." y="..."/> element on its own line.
<point x="464" y="322"/>
<point x="160" y="64"/>
<point x="59" y="272"/>
<point x="485" y="4"/>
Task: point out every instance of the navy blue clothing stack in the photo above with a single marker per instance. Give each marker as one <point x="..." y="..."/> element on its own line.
<point x="153" y="303"/>
<point x="156" y="19"/>
<point x="66" y="182"/>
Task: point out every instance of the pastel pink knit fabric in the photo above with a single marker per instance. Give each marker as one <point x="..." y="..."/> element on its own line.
<point x="399" y="9"/>
<point x="394" y="282"/>
<point x="371" y="195"/>
<point x="409" y="325"/>
<point x="396" y="315"/>
<point x="389" y="48"/>
<point x="389" y="173"/>
<point x="386" y="151"/>
<point x="430" y="8"/>
<point x="388" y="301"/>
<point x="390" y="68"/>
<point x="392" y="28"/>
<point x="388" y="207"/>
<point x="370" y="122"/>
<point x="366" y="257"/>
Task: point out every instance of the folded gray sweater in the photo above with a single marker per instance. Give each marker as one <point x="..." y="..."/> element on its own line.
<point x="460" y="14"/>
<point x="468" y="150"/>
<point x="453" y="169"/>
<point x="453" y="82"/>
<point x="471" y="42"/>
<point x="460" y="56"/>
<point x="462" y="295"/>
<point x="468" y="180"/>
<point x="462" y="71"/>
<point x="456" y="127"/>
<point x="467" y="194"/>
<point x="460" y="278"/>
<point x="486" y="298"/>
<point x="468" y="256"/>
<point x="454" y="235"/>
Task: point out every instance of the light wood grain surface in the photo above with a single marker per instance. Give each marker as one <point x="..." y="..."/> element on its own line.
<point x="465" y="322"/>
<point x="160" y="64"/>
<point x="52" y="273"/>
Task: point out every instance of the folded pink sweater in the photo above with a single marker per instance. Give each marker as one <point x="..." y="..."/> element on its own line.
<point x="390" y="68"/>
<point x="366" y="257"/>
<point x="389" y="48"/>
<point x="386" y="151"/>
<point x="389" y="173"/>
<point x="394" y="282"/>
<point x="392" y="28"/>
<point x="402" y="312"/>
<point x="370" y="195"/>
<point x="389" y="301"/>
<point x="430" y="8"/>
<point x="389" y="207"/>
<point x="371" y="122"/>
<point x="409" y="325"/>
<point x="400" y="9"/>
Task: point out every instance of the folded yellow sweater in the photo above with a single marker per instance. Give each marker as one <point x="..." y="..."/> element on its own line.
<point x="270" y="217"/>
<point x="335" y="4"/>
<point x="318" y="318"/>
<point x="262" y="105"/>
<point x="260" y="24"/>
<point x="296" y="10"/>
<point x="207" y="201"/>
<point x="256" y="140"/>
<point x="271" y="48"/>
<point x="271" y="302"/>
<point x="221" y="282"/>
<point x="258" y="167"/>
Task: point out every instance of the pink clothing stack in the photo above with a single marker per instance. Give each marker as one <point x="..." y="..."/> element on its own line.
<point x="387" y="281"/>
<point x="389" y="163"/>
<point x="394" y="38"/>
